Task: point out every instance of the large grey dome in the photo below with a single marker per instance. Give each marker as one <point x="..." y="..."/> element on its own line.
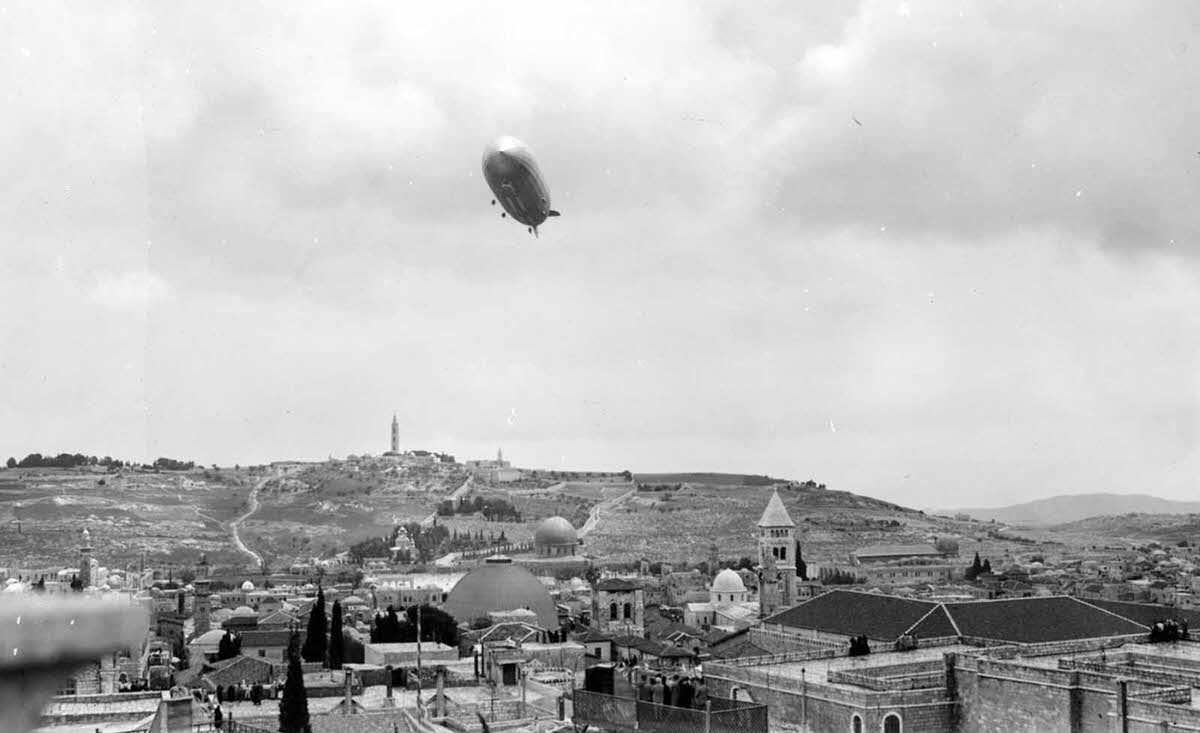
<point x="555" y="532"/>
<point x="499" y="585"/>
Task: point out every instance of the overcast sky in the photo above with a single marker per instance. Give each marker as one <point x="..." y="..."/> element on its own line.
<point x="943" y="254"/>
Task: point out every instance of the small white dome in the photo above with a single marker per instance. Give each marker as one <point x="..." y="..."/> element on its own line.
<point x="244" y="611"/>
<point x="728" y="581"/>
<point x="247" y="586"/>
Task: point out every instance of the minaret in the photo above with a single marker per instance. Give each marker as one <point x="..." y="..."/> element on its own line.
<point x="776" y="557"/>
<point x="85" y="559"/>
<point x="395" y="434"/>
<point x="201" y="605"/>
<point x="500" y="458"/>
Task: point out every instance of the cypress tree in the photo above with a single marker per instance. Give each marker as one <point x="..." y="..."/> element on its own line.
<point x="293" y="704"/>
<point x="337" y="647"/>
<point x="314" y="643"/>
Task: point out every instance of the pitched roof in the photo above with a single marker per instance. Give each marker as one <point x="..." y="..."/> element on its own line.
<point x="897" y="551"/>
<point x="935" y="625"/>
<point x="268" y="637"/>
<point x="852" y="613"/>
<point x="775" y="515"/>
<point x="1147" y="614"/>
<point x="1039" y="619"/>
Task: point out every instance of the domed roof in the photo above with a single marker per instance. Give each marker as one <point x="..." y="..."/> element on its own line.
<point x="499" y="585"/>
<point x="555" y="532"/>
<point x="215" y="598"/>
<point x="353" y="601"/>
<point x="209" y="637"/>
<point x="728" y="581"/>
<point x="247" y="585"/>
<point x="244" y="611"/>
<point x="947" y="545"/>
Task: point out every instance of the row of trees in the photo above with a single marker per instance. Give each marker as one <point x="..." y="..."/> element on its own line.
<point x="436" y="625"/>
<point x="75" y="460"/>
<point x="62" y="460"/>
<point x="493" y="510"/>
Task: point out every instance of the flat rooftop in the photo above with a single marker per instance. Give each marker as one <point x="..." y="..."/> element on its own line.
<point x="817" y="670"/>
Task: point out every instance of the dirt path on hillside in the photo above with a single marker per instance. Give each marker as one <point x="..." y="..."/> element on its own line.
<point x="594" y="515"/>
<point x="234" y="525"/>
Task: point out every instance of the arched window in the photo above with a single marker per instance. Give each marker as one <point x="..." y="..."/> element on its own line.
<point x="783" y="553"/>
<point x="612" y="611"/>
<point x="856" y="725"/>
<point x="891" y="724"/>
<point x="628" y="611"/>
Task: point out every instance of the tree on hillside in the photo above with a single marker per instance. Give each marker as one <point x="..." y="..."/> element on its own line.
<point x="801" y="566"/>
<point x="987" y="566"/>
<point x="76" y="584"/>
<point x="314" y="643"/>
<point x="12" y="463"/>
<point x="337" y="645"/>
<point x="293" y="704"/>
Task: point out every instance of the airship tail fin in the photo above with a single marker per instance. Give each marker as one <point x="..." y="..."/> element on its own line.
<point x="552" y="212"/>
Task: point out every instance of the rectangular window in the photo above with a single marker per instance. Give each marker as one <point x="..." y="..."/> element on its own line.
<point x="782" y="553"/>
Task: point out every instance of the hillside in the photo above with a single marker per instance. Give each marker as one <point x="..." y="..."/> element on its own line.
<point x="291" y="513"/>
<point x="1061" y="509"/>
<point x="708" y="479"/>
<point x="1168" y="528"/>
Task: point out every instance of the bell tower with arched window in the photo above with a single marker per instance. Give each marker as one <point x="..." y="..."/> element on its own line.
<point x="776" y="557"/>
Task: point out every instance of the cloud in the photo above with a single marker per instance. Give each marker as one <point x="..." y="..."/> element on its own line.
<point x="136" y="289"/>
<point x="987" y="284"/>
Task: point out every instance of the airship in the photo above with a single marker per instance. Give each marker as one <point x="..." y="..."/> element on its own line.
<point x="513" y="175"/>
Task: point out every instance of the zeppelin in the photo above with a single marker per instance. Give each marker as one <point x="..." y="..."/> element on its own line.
<point x="513" y="175"/>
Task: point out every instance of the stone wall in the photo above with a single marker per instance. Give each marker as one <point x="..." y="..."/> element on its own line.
<point x="816" y="706"/>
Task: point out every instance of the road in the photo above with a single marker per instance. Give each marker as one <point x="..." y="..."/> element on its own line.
<point x="594" y="515"/>
<point x="233" y="526"/>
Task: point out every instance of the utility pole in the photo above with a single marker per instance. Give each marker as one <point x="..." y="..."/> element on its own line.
<point x="420" y="709"/>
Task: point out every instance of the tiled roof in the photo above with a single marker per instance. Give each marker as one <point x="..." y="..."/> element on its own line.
<point x="1035" y="620"/>
<point x="1147" y="614"/>
<point x="1014" y="621"/>
<point x="267" y="637"/>
<point x="852" y="613"/>
<point x="897" y="551"/>
<point x="775" y="515"/>
<point x="937" y="624"/>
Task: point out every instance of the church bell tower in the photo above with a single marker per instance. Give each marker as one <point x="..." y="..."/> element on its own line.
<point x="395" y="434"/>
<point x="776" y="558"/>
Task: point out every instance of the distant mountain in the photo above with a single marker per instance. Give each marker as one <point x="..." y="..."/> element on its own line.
<point x="1074" y="507"/>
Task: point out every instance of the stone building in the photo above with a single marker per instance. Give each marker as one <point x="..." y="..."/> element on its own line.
<point x="777" y="550"/>
<point x="1018" y="665"/>
<point x="618" y="607"/>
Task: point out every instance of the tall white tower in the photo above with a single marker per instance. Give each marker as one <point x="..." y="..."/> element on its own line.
<point x="395" y="434"/>
<point x="776" y="557"/>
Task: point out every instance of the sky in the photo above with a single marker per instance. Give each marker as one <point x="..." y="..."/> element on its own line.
<point x="944" y="254"/>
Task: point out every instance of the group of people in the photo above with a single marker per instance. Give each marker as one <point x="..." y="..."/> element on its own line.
<point x="679" y="692"/>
